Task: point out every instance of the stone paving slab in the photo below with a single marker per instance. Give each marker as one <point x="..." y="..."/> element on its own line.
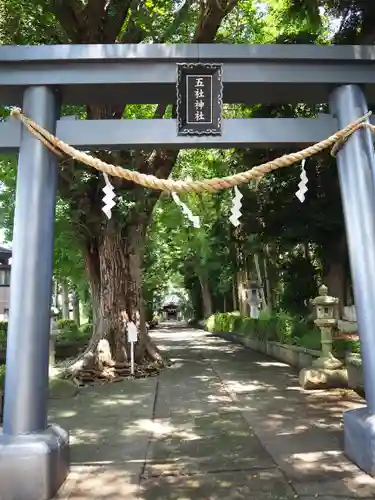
<point x="263" y="485"/>
<point x="110" y="430"/>
<point x="222" y="423"/>
<point x="105" y="482"/>
<point x="214" y="443"/>
<point x="301" y="430"/>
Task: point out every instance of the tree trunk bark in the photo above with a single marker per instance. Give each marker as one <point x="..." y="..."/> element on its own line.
<point x="206" y="295"/>
<point x="120" y="276"/>
<point x="65" y="300"/>
<point x="335" y="271"/>
<point x="92" y="267"/>
<point x="56" y="295"/>
<point x="234" y="294"/>
<point x="113" y="265"/>
<point x="76" y="311"/>
<point x="242" y="282"/>
<point x="268" y="283"/>
<point x="260" y="280"/>
<point x="336" y="282"/>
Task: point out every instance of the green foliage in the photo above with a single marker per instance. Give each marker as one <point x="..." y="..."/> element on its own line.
<point x="70" y="333"/>
<point x="86" y="329"/>
<point x="67" y="324"/>
<point x="277" y="327"/>
<point x="295" y="238"/>
<point x="281" y="327"/>
<point x="3" y="334"/>
<point x="2" y="378"/>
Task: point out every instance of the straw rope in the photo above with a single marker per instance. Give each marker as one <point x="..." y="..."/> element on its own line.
<point x="60" y="148"/>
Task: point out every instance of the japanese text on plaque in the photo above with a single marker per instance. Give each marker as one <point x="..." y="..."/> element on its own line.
<point x="199" y="99"/>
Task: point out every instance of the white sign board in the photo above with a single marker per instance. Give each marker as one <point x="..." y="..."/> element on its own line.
<point x="132" y="332"/>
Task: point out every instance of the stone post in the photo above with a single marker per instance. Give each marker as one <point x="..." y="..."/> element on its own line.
<point x="326" y="371"/>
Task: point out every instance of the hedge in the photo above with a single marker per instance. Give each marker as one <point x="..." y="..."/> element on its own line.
<point x="68" y="332"/>
<point x="280" y="327"/>
<point x="2" y="378"/>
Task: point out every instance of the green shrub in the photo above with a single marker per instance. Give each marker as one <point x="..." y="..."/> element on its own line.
<point x="67" y="324"/>
<point x="86" y="329"/>
<point x="342" y="346"/>
<point x="70" y="333"/>
<point x="2" y="378"/>
<point x="3" y="334"/>
<point x="280" y="327"/>
<point x="310" y="340"/>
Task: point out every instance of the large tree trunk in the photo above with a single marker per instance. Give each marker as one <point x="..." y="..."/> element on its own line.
<point x="206" y="296"/>
<point x="335" y="275"/>
<point x="242" y="284"/>
<point x="267" y="282"/>
<point x="121" y="258"/>
<point x="234" y="294"/>
<point x="65" y="299"/>
<point x="114" y="253"/>
<point x="114" y="266"/>
<point x="76" y="309"/>
<point x="92" y="267"/>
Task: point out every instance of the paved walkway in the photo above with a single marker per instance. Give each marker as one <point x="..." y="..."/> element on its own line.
<point x="223" y="423"/>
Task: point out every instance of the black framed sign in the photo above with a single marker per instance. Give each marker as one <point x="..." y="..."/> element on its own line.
<point x="199" y="98"/>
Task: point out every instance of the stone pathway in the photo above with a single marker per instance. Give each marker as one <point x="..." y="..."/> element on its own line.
<point x="224" y="423"/>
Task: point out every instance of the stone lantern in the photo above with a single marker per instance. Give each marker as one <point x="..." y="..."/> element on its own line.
<point x="326" y="371"/>
<point x="325" y="321"/>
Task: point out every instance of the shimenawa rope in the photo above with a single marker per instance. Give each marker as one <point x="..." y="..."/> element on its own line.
<point x="60" y="148"/>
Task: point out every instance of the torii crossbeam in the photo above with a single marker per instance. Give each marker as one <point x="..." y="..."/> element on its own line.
<point x="42" y="78"/>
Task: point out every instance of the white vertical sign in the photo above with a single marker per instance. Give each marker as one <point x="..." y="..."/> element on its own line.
<point x="132" y="338"/>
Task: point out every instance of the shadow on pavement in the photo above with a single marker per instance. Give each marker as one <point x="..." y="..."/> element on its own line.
<point x="222" y="423"/>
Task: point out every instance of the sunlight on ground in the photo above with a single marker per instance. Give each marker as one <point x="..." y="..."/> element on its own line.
<point x="270" y="364"/>
<point x="239" y="387"/>
<point x="208" y="427"/>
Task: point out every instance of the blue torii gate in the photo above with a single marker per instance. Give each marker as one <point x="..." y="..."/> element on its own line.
<point x="34" y="457"/>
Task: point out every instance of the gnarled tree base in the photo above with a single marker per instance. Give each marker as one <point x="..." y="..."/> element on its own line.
<point x="96" y="366"/>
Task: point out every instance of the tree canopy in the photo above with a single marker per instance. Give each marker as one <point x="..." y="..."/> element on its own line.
<point x="129" y="262"/>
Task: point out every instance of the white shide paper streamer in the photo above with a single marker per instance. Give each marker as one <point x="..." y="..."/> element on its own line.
<point x="236" y="207"/>
<point x="186" y="210"/>
<point x="108" y="199"/>
<point x="303" y="183"/>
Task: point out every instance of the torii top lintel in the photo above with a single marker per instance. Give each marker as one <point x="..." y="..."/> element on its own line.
<point x="146" y="73"/>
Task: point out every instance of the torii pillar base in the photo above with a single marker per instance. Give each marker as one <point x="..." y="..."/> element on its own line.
<point x="359" y="437"/>
<point x="33" y="466"/>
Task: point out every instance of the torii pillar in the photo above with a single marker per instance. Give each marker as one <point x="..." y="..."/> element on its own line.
<point x="356" y="168"/>
<point x="34" y="456"/>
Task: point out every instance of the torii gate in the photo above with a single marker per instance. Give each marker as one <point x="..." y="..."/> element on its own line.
<point x="34" y="457"/>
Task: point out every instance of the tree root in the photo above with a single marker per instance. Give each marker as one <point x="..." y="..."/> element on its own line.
<point x="96" y="367"/>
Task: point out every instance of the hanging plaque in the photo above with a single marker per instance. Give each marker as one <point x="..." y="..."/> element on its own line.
<point x="199" y="98"/>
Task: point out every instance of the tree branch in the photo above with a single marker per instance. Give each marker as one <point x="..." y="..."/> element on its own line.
<point x="178" y="20"/>
<point x="133" y="33"/>
<point x="161" y="162"/>
<point x="116" y="13"/>
<point x="212" y="13"/>
<point x="67" y="13"/>
<point x="93" y="18"/>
